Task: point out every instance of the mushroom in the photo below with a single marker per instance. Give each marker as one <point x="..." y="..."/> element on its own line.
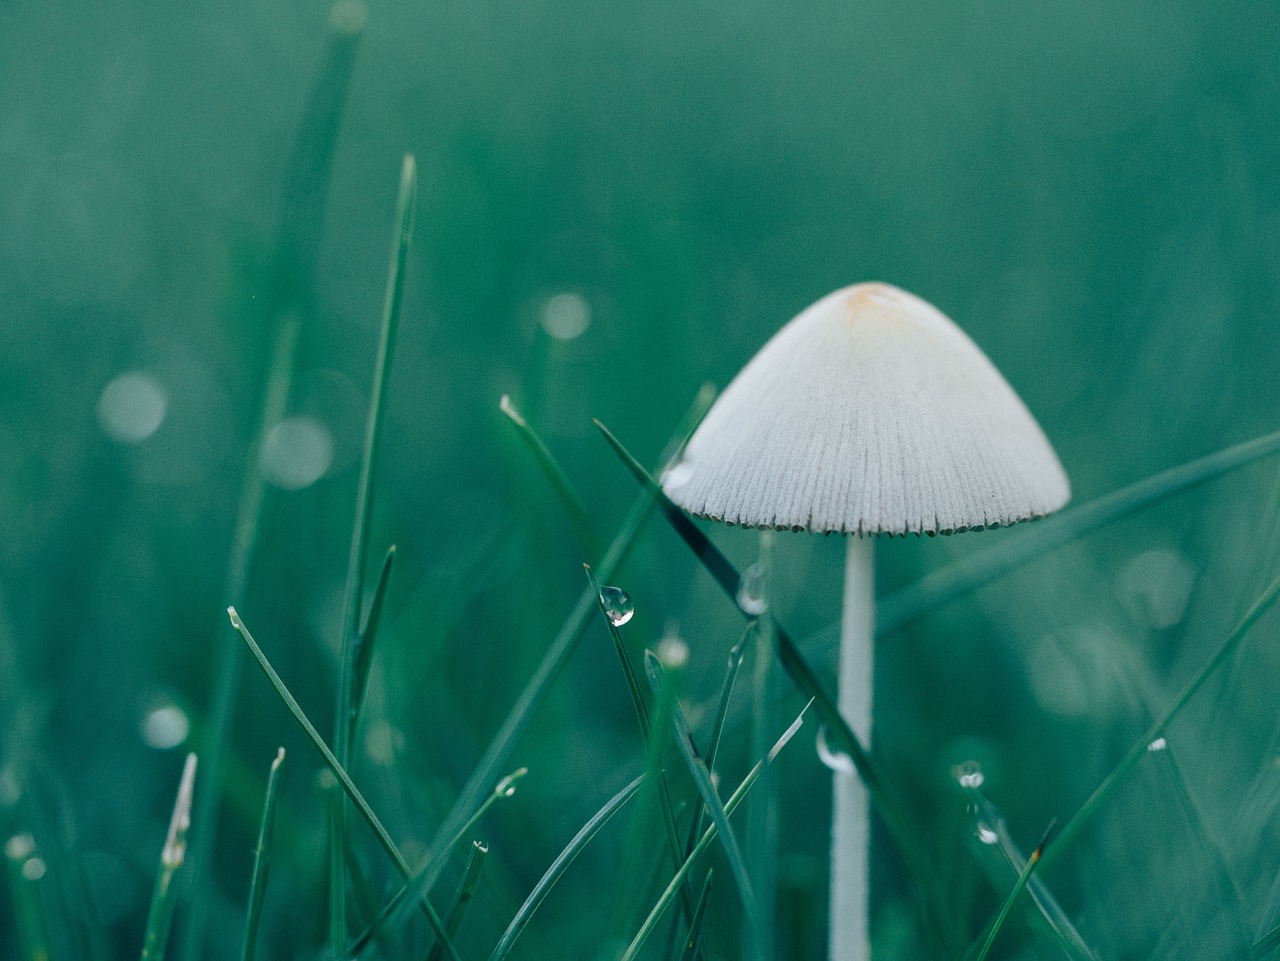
<point x="869" y="413"/>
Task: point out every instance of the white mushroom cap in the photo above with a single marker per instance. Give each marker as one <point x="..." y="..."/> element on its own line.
<point x="870" y="412"/>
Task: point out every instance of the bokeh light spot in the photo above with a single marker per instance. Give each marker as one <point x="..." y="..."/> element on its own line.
<point x="165" y="726"/>
<point x="132" y="407"/>
<point x="297" y="453"/>
<point x="566" y="316"/>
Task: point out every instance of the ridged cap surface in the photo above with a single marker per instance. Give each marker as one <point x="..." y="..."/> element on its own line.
<point x="870" y="412"/>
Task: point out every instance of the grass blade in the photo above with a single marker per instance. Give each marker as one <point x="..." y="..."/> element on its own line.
<point x="340" y="773"/>
<point x="353" y="614"/>
<point x="160" y="918"/>
<point x="655" y="915"/>
<point x="462" y="899"/>
<point x="32" y="925"/>
<point x="261" y="862"/>
<point x="1007" y="906"/>
<point x="287" y="297"/>
<point x="561" y="864"/>
<point x="498" y="753"/>
<point x="368" y="637"/>
<point x="693" y="943"/>
<point x="560" y="482"/>
<point x="935" y="589"/>
<point x="891" y="809"/>
<point x="711" y="801"/>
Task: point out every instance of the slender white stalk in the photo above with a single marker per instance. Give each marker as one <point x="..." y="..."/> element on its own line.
<point x="850" y="817"/>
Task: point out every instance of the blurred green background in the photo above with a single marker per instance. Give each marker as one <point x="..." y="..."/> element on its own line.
<point x="617" y="203"/>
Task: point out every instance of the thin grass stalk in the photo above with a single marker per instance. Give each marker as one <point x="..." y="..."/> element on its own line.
<point x="1003" y="914"/>
<point x="163" y="901"/>
<point x="462" y="898"/>
<point x="380" y="832"/>
<point x="498" y="753"/>
<point x="353" y="613"/>
<point x="261" y="862"/>
<point x="894" y="813"/>
<point x="561" y="864"/>
<point x="693" y="942"/>
<point x="572" y="501"/>
<point x="32" y="934"/>
<point x="287" y="297"/>
<point x="762" y="808"/>
<point x="1029" y="542"/>
<point x="664" y="901"/>
<point x="367" y="640"/>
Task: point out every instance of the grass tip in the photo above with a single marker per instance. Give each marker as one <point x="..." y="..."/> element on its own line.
<point x="507" y="786"/>
<point x="175" y="845"/>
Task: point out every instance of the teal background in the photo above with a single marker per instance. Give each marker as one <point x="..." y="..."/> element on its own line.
<point x="1090" y="190"/>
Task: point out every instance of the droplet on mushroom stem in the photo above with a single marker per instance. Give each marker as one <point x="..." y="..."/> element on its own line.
<point x="836" y="760"/>
<point x="617" y="605"/>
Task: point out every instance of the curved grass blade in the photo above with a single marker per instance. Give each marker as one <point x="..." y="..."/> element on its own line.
<point x="504" y="789"/>
<point x="566" y="641"/>
<point x="380" y="832"/>
<point x="160" y="917"/>
<point x="655" y="915"/>
<point x="935" y="589"/>
<point x="710" y="800"/>
<point x="1003" y="915"/>
<point x="568" y="494"/>
<point x="353" y="614"/>
<point x="717" y="726"/>
<point x="891" y="809"/>
<point x="261" y="862"/>
<point x="560" y="865"/>
<point x="693" y="943"/>
<point x="462" y="899"/>
<point x="368" y="637"/>
<point x="287" y="297"/>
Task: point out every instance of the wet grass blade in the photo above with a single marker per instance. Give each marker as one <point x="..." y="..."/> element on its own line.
<point x="287" y="297"/>
<point x="353" y="613"/>
<point x="352" y="792"/>
<point x="710" y="800"/>
<point x="498" y="753"/>
<point x="934" y="590"/>
<point x="664" y="902"/>
<point x="1003" y="915"/>
<point x="163" y="901"/>
<point x="840" y="735"/>
<point x="561" y="864"/>
<point x="693" y="943"/>
<point x="261" y="862"/>
<point x="717" y="725"/>
<point x="368" y="638"/>
<point x="462" y="898"/>
<point x="560" y="482"/>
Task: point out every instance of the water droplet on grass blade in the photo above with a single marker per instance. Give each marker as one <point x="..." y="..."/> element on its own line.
<point x="836" y="760"/>
<point x="986" y="834"/>
<point x="617" y="605"/>
<point x="1159" y="744"/>
<point x="751" y="596"/>
<point x="968" y="774"/>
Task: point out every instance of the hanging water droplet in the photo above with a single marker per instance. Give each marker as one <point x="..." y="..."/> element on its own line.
<point x="985" y="834"/>
<point x="1159" y="744"/>
<point x="617" y="605"/>
<point x="751" y="597"/>
<point x="968" y="774"/>
<point x="836" y="760"/>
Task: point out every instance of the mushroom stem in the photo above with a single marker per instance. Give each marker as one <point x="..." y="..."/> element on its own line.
<point x="850" y="818"/>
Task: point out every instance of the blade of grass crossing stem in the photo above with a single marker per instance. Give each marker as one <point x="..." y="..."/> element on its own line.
<point x="160" y="918"/>
<point x="353" y="608"/>
<point x="340" y="773"/>
<point x="1157" y="728"/>
<point x="642" y="714"/>
<point x="711" y="801"/>
<point x="1007" y="906"/>
<point x="288" y="303"/>
<point x="462" y="898"/>
<point x="499" y="750"/>
<point x="561" y="864"/>
<point x="394" y="911"/>
<point x="261" y="862"/>
<point x="693" y="943"/>
<point x="368" y="637"/>
<point x="560" y="482"/>
<point x="934" y="590"/>
<point x="664" y="901"/>
<point x="717" y="726"/>
<point x="892" y="810"/>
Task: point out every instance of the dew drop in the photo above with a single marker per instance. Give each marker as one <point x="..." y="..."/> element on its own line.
<point x="751" y="596"/>
<point x="1159" y="744"/>
<point x="617" y="605"/>
<point x="986" y="835"/>
<point x="836" y="760"/>
<point x="968" y="774"/>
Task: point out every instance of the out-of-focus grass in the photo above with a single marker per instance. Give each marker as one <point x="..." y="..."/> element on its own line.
<point x="618" y="205"/>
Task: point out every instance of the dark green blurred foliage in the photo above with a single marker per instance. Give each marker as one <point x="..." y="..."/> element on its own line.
<point x="1090" y="190"/>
